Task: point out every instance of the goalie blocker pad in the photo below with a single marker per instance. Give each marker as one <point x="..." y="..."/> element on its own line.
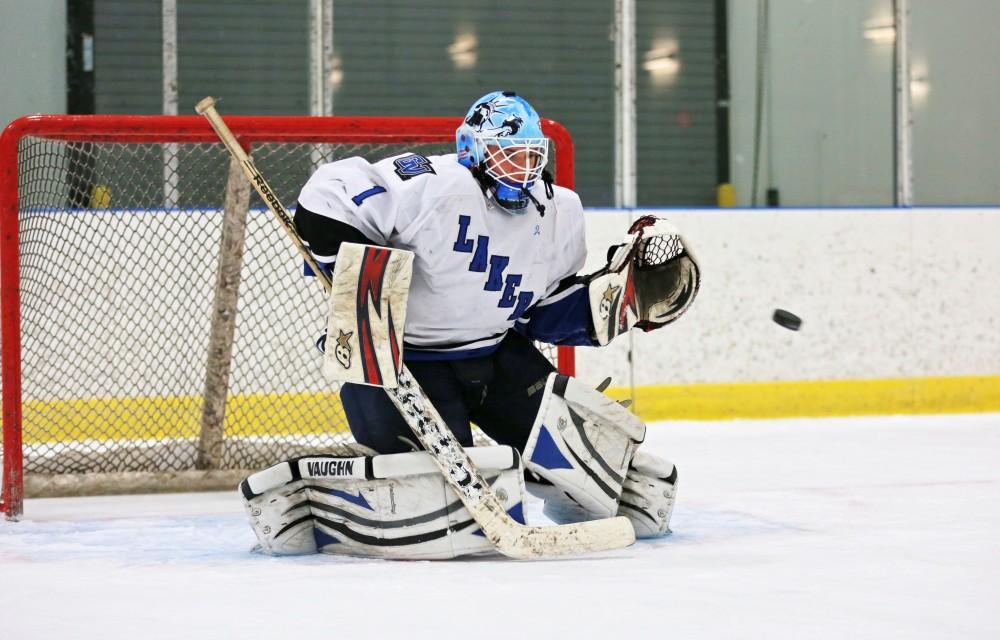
<point x="650" y="280"/>
<point x="367" y="313"/>
<point x="386" y="506"/>
<point x="582" y="442"/>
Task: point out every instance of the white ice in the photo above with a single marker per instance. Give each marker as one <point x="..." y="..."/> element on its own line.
<point x="831" y="528"/>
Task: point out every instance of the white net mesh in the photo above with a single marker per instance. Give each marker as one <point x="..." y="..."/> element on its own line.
<point x="119" y="250"/>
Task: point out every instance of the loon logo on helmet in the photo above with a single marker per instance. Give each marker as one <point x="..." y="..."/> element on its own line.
<point x="501" y="140"/>
<point x="510" y="126"/>
<point x="481" y="114"/>
<point x="495" y="116"/>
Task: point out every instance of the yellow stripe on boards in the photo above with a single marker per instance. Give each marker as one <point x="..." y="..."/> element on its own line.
<point x="161" y="418"/>
<point x="967" y="394"/>
<point x="321" y="413"/>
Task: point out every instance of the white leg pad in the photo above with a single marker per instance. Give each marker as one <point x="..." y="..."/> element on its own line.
<point x="648" y="496"/>
<point x="582" y="442"/>
<point x="281" y="520"/>
<point x="388" y="506"/>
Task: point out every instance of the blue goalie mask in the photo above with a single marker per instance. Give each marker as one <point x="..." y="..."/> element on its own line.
<point x="501" y="136"/>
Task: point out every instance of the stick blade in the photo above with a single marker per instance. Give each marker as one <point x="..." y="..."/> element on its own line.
<point x="523" y="542"/>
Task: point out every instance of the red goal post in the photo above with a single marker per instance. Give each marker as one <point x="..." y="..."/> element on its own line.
<point x="121" y="243"/>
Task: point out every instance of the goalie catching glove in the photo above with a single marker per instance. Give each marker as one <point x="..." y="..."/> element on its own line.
<point x="650" y="280"/>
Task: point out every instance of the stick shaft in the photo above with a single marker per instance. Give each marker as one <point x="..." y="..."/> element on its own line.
<point x="207" y="108"/>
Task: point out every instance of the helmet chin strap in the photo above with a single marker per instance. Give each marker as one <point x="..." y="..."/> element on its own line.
<point x="538" y="205"/>
<point x="488" y="182"/>
<point x="549" y="193"/>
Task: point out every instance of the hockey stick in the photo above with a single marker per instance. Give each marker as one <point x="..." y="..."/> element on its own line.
<point x="509" y="536"/>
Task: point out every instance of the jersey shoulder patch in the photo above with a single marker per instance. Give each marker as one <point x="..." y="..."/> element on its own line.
<point x="412" y="165"/>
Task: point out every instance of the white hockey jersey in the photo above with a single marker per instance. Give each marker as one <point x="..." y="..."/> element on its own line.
<point x="477" y="268"/>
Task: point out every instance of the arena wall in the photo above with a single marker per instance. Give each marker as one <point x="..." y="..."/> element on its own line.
<point x="899" y="306"/>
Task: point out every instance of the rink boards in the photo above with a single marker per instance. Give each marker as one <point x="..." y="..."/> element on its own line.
<point x="899" y="315"/>
<point x="898" y="308"/>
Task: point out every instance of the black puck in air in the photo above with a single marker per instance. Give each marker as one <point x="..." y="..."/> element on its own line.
<point x="787" y="319"/>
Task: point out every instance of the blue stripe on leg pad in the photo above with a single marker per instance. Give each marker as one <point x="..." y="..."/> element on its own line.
<point x="547" y="454"/>
<point x="323" y="539"/>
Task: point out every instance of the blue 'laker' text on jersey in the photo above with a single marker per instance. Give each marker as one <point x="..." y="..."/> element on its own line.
<point x="478" y="271"/>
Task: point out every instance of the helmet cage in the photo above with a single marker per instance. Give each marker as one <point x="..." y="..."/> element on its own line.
<point x="501" y="138"/>
<point x="515" y="163"/>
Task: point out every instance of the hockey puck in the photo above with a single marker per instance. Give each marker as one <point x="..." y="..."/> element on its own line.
<point x="787" y="319"/>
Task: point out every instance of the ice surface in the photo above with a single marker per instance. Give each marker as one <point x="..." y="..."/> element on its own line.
<point x="832" y="528"/>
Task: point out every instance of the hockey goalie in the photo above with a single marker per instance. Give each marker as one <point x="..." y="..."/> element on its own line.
<point x="455" y="264"/>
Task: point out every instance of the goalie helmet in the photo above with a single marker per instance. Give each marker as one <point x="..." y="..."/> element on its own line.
<point x="501" y="139"/>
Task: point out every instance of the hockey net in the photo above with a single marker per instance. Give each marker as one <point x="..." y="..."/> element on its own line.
<point x="116" y="374"/>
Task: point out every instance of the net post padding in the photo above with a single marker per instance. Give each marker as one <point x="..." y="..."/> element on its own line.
<point x="227" y="291"/>
<point x="42" y="485"/>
